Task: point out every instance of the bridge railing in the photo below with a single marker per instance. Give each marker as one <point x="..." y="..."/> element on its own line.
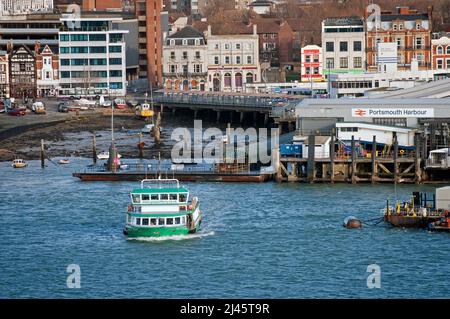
<point x="217" y="99"/>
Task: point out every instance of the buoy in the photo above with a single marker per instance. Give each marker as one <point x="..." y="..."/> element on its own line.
<point x="352" y="222"/>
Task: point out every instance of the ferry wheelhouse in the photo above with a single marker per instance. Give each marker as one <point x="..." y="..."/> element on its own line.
<point x="161" y="207"/>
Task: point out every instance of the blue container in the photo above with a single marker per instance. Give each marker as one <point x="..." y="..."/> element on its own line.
<point x="290" y="150"/>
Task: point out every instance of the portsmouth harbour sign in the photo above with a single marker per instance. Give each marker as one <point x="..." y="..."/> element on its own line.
<point x="393" y="112"/>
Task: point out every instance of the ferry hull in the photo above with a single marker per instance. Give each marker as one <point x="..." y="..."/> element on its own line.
<point x="142" y="232"/>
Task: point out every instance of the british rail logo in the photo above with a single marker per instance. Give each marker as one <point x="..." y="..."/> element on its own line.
<point x="393" y="112"/>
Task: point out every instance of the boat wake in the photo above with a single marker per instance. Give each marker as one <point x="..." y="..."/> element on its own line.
<point x="173" y="238"/>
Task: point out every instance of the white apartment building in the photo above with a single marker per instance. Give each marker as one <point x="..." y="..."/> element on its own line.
<point x="185" y="61"/>
<point x="233" y="61"/>
<point x="92" y="58"/>
<point x="14" y="7"/>
<point x="343" y="44"/>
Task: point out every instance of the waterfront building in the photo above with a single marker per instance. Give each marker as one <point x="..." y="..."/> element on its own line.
<point x="343" y="44"/>
<point x="408" y="28"/>
<point x="148" y="13"/>
<point x="22" y="72"/>
<point x="440" y="49"/>
<point x="92" y="57"/>
<point x="99" y="5"/>
<point x="311" y="64"/>
<point x="185" y="60"/>
<point x="20" y="7"/>
<point x="4" y="75"/>
<point x="27" y="29"/>
<point x="47" y="70"/>
<point x="233" y="60"/>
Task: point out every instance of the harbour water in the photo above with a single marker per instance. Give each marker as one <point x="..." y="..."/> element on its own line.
<point x="258" y="241"/>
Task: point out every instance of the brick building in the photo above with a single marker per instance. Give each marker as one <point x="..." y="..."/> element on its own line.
<point x="440" y="51"/>
<point x="408" y="28"/>
<point x="22" y="73"/>
<point x="47" y="70"/>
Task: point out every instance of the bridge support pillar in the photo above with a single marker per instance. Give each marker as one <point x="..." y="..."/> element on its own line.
<point x="266" y="119"/>
<point x="173" y="111"/>
<point x="255" y="117"/>
<point x="231" y="116"/>
<point x="162" y="108"/>
<point x="218" y="117"/>
<point x="195" y="114"/>
<point x="241" y="118"/>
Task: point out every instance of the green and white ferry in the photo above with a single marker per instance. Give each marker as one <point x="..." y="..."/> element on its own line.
<point x="161" y="207"/>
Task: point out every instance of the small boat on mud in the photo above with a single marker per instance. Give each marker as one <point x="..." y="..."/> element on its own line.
<point x="19" y="163"/>
<point x="160" y="208"/>
<point x="64" y="161"/>
<point x="105" y="156"/>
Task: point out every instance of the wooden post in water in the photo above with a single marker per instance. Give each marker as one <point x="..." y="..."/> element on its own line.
<point x="42" y="154"/>
<point x="311" y="158"/>
<point x="353" y="163"/>
<point x="94" y="149"/>
<point x="141" y="146"/>
<point x="418" y="169"/>
<point x="157" y="130"/>
<point x="374" y="160"/>
<point x="332" y="156"/>
<point x="395" y="158"/>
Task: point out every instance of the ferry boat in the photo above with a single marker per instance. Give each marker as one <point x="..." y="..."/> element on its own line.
<point x="161" y="207"/>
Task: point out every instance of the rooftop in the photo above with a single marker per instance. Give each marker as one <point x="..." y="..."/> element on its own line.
<point x="343" y="21"/>
<point x="186" y="32"/>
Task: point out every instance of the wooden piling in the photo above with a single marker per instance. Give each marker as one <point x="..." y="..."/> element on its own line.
<point x="353" y="162"/>
<point x="157" y="130"/>
<point x="141" y="146"/>
<point x="332" y="156"/>
<point x="418" y="161"/>
<point x="374" y="160"/>
<point x="94" y="149"/>
<point x="311" y="158"/>
<point x="42" y="154"/>
<point x="395" y="158"/>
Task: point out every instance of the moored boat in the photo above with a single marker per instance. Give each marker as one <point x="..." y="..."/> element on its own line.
<point x="442" y="224"/>
<point x="19" y="163"/>
<point x="64" y="161"/>
<point x="160" y="208"/>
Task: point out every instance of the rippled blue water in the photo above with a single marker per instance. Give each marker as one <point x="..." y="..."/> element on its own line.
<point x="259" y="241"/>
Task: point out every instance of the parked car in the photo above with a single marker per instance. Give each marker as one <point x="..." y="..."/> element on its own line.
<point x="63" y="108"/>
<point x="120" y="104"/>
<point x="17" y="111"/>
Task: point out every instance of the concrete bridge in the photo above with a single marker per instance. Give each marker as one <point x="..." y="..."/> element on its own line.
<point x="224" y="103"/>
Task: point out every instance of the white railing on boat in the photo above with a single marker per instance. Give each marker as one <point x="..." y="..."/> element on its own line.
<point x="160" y="183"/>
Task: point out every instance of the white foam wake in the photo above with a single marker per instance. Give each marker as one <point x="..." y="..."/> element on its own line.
<point x="175" y="237"/>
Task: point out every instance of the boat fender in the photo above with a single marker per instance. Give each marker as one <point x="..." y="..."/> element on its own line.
<point x="130" y="208"/>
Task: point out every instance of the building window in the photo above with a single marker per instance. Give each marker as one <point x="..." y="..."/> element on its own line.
<point x="447" y="63"/>
<point x="249" y="78"/>
<point x="357" y="62"/>
<point x="227" y="46"/>
<point x="238" y="46"/>
<point x="448" y="49"/>
<point x="185" y="55"/>
<point x="115" y="49"/>
<point x="98" y="49"/>
<point x="198" y="68"/>
<point x="216" y="60"/>
<point x="330" y="63"/>
<point x="249" y="59"/>
<point x="440" y="50"/>
<point x="343" y="63"/>
<point x="227" y="59"/>
<point x="238" y="79"/>
<point x="308" y="58"/>
<point x="216" y="46"/>
<point x="115" y="61"/>
<point x="78" y="37"/>
<point x="115" y="73"/>
<point x="97" y="37"/>
<point x="418" y="43"/>
<point x="172" y="55"/>
<point x="439" y="64"/>
<point x="197" y="55"/>
<point x="64" y="38"/>
<point x="343" y="46"/>
<point x="65" y="74"/>
<point x="329" y="46"/>
<point x="172" y="68"/>
<point x="97" y="61"/>
<point x="63" y="50"/>
<point x="357" y="46"/>
<point x="227" y="79"/>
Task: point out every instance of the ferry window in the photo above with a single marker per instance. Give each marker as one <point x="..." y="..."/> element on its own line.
<point x="153" y="221"/>
<point x="128" y="219"/>
<point x="183" y="220"/>
<point x="144" y="221"/>
<point x="145" y="197"/>
<point x="155" y="196"/>
<point x="164" y="196"/>
<point x="136" y="198"/>
<point x="177" y="220"/>
<point x="138" y="221"/>
<point x="173" y="197"/>
<point x="169" y="221"/>
<point x="183" y="198"/>
<point x="161" y="222"/>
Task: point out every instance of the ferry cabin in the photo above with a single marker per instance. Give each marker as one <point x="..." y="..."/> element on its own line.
<point x="165" y="211"/>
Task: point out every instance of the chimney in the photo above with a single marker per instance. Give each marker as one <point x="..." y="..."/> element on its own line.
<point x="255" y="29"/>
